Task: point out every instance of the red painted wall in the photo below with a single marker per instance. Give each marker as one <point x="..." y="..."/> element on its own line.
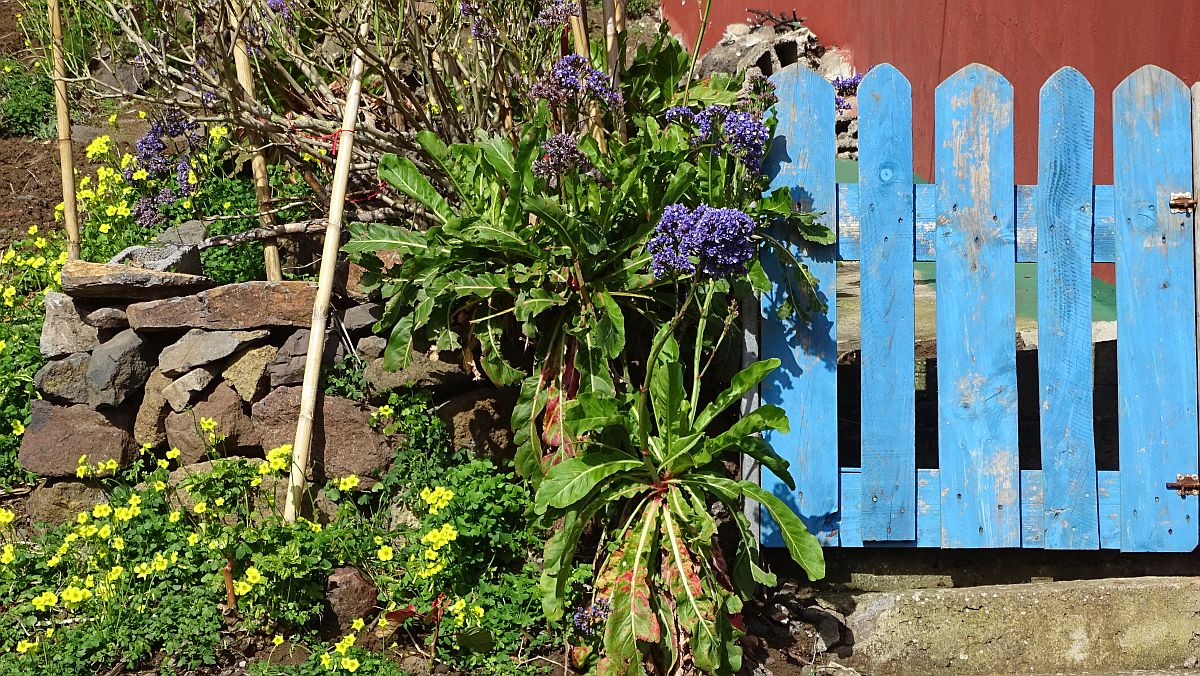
<point x="1025" y="40"/>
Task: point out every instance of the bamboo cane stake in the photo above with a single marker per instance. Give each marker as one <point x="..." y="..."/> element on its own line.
<point x="329" y="255"/>
<point x="66" y="160"/>
<point x="580" y="38"/>
<point x="258" y="162"/>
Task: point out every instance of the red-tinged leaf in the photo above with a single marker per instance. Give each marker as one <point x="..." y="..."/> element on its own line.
<point x="580" y="654"/>
<point x="626" y="584"/>
<point x="397" y="616"/>
<point x="552" y="419"/>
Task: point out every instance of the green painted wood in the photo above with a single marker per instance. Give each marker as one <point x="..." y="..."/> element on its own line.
<point x="889" y="466"/>
<point x="976" y="325"/>
<point x="1156" y="332"/>
<point x="1062" y="204"/>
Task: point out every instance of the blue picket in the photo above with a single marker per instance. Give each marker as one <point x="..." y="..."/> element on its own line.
<point x="889" y="460"/>
<point x="976" y="323"/>
<point x="1156" y="330"/>
<point x="802" y="159"/>
<point x="1062" y="210"/>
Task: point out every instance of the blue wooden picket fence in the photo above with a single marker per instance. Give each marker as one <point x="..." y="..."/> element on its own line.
<point x="975" y="223"/>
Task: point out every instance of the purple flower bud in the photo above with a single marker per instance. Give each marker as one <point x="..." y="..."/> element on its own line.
<point x="561" y="153"/>
<point x="556" y="12"/>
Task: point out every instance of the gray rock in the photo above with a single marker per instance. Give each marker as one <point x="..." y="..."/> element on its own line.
<point x="199" y="347"/>
<point x="360" y="318"/>
<point x="118" y="368"/>
<point x="58" y="435"/>
<point x="371" y="347"/>
<point x="59" y="502"/>
<point x="127" y="78"/>
<point x="65" y="380"/>
<point x="190" y="233"/>
<point x="180" y="393"/>
<point x="287" y="368"/>
<point x="81" y="279"/>
<point x="107" y="319"/>
<point x="149" y="426"/>
<point x="161" y="257"/>
<point x="422" y="371"/>
<point x="245" y="371"/>
<point x="64" y="330"/>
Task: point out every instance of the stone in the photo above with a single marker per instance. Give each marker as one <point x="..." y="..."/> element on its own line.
<point x="161" y="257"/>
<point x="126" y="78"/>
<point x="65" y="380"/>
<point x="107" y="319"/>
<point x="118" y="368"/>
<point x="371" y="347"/>
<point x="59" y="502"/>
<point x="63" y="330"/>
<point x="58" y="435"/>
<point x="189" y="233"/>
<point x="149" y="425"/>
<point x="182" y="390"/>
<point x="249" y="305"/>
<point x="360" y="318"/>
<point x="198" y="348"/>
<point x="422" y="371"/>
<point x="224" y="407"/>
<point x="482" y="420"/>
<point x="245" y="371"/>
<point x="343" y="440"/>
<point x="81" y="279"/>
<point x="287" y="368"/>
<point x="350" y="596"/>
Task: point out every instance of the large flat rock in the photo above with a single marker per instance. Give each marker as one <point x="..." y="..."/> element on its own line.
<point x="81" y="279"/>
<point x="249" y="305"/>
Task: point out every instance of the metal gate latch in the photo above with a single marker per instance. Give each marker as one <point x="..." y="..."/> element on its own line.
<point x="1186" y="484"/>
<point x="1182" y="202"/>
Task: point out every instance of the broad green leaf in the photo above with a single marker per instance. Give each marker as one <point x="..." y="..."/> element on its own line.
<point x="494" y="364"/>
<point x="765" y="417"/>
<point x="530" y="404"/>
<point x="632" y="618"/>
<point x="758" y="448"/>
<point x="371" y="237"/>
<point x="533" y="302"/>
<point x="593" y="366"/>
<point x="670" y="403"/>
<point x="497" y="152"/>
<point x="742" y="383"/>
<point x="694" y="604"/>
<point x="398" y="352"/>
<point x="801" y="544"/>
<point x="609" y="329"/>
<point x="551" y="215"/>
<point x="590" y="411"/>
<point x="402" y="174"/>
<point x="571" y="480"/>
<point x="556" y="563"/>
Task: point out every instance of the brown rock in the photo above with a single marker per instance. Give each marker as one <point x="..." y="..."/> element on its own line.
<point x="371" y="347"/>
<point x="81" y="279"/>
<point x="343" y="440"/>
<point x="198" y="348"/>
<point x="249" y="305"/>
<point x="245" y="371"/>
<point x="107" y="319"/>
<point x="63" y="330"/>
<point x="223" y="406"/>
<point x="287" y="368"/>
<point x="148" y="428"/>
<point x="350" y="595"/>
<point x="55" y="503"/>
<point x="420" y="372"/>
<point x="58" y="435"/>
<point x="482" y="420"/>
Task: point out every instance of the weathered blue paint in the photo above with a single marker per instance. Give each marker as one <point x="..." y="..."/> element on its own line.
<point x="929" y="522"/>
<point x="889" y="459"/>
<point x="1109" y="490"/>
<point x="1156" y="332"/>
<point x="1062" y="211"/>
<point x="1033" y="515"/>
<point x="805" y="385"/>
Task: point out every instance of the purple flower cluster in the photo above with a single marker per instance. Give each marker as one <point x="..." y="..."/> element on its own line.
<point x="556" y="12"/>
<point x="572" y="77"/>
<point x="742" y="134"/>
<point x="588" y="620"/>
<point x="561" y="153"/>
<point x="845" y="87"/>
<point x="706" y="241"/>
<point x="164" y="150"/>
<point x="468" y="8"/>
<point x="482" y="29"/>
<point x="758" y="93"/>
<point x="146" y="213"/>
<point x="284" y="10"/>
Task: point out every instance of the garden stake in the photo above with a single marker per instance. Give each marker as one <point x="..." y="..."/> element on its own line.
<point x="66" y="160"/>
<point x="329" y="255"/>
<point x="580" y="37"/>
<point x="258" y="163"/>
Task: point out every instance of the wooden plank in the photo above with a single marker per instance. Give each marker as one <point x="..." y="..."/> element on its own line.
<point x="929" y="524"/>
<point x="802" y="158"/>
<point x="1062" y="214"/>
<point x="1033" y="510"/>
<point x="1156" y="322"/>
<point x="976" y="323"/>
<point x="889" y="457"/>
<point x="751" y="469"/>
<point x="1108" y="489"/>
<point x="1104" y="225"/>
<point x="1026" y="225"/>
<point x="926" y="222"/>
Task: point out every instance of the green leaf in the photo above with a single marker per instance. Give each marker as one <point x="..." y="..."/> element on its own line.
<point x="759" y="280"/>
<point x="402" y="174"/>
<point x="609" y="329"/>
<point x="801" y="544"/>
<point x="530" y="404"/>
<point x="759" y="449"/>
<point x="593" y="366"/>
<point x="551" y="215"/>
<point x="766" y="417"/>
<point x="632" y="618"/>
<point x="557" y="562"/>
<point x="742" y="383"/>
<point x="398" y="352"/>
<point x="571" y="480"/>
<point x="670" y="402"/>
<point x="497" y="152"/>
<point x="590" y="411"/>
<point x="494" y="364"/>
<point x="372" y="237"/>
<point x="533" y="302"/>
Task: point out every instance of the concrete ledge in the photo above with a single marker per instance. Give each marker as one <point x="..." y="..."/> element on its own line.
<point x="1082" y="626"/>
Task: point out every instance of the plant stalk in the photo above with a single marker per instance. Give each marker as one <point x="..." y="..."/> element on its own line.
<point x="66" y="160"/>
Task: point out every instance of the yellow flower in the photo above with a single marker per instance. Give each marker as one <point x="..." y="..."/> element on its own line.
<point x="40" y="242"/>
<point x="160" y="486"/>
<point x="110" y="211"/>
<point x="347" y="482"/>
<point x="478" y="611"/>
<point x="98" y="147"/>
<point x="200" y="507"/>
<point x="383" y="622"/>
<point x="123" y="514"/>
<point x="437" y="499"/>
<point x="33" y="228"/>
<point x="82" y="517"/>
<point x="241" y="587"/>
<point x="326" y="660"/>
<point x="8" y="554"/>
<point x="384" y="411"/>
<point x="350" y="664"/>
<point x="358" y="624"/>
<point x="101" y="510"/>
<point x="431" y="554"/>
<point x="46" y="599"/>
<point x="218" y="133"/>
<point x="134" y="500"/>
<point x="118" y="543"/>
<point x="342" y="646"/>
<point x="6" y="517"/>
<point x="140" y="175"/>
<point x="112" y="119"/>
<point x="385" y="553"/>
<point x="18" y="428"/>
<point x="115" y="573"/>
<point x="163" y="464"/>
<point x="24" y="646"/>
<point x="193" y="539"/>
<point x="219" y="502"/>
<point x="142" y="114"/>
<point x="73" y="595"/>
<point x="253" y="576"/>
<point x="192" y="178"/>
<point x="173" y="517"/>
<point x="105" y="532"/>
<point x="278" y="640"/>
<point x="104" y="228"/>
